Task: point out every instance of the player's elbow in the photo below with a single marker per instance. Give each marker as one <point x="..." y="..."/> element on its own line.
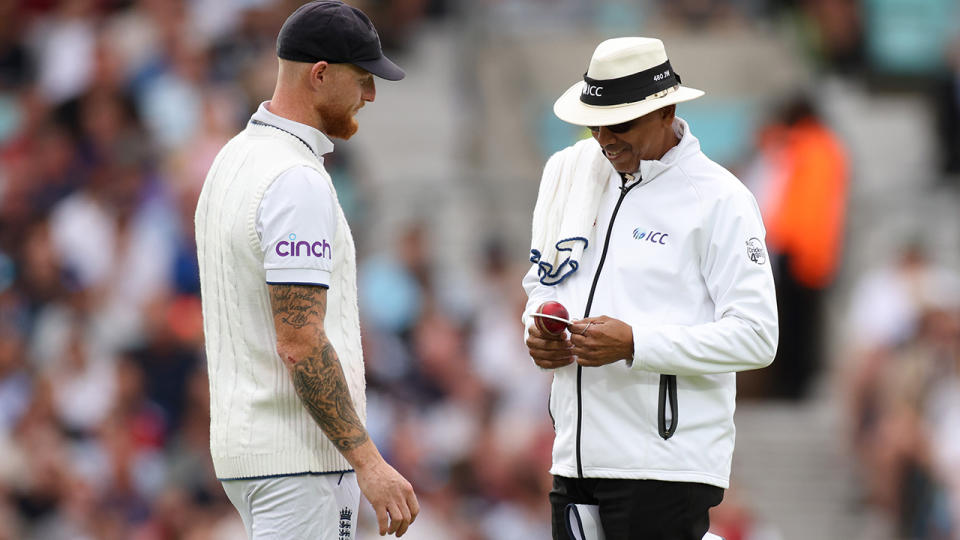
<point x="296" y="345"/>
<point x="291" y="353"/>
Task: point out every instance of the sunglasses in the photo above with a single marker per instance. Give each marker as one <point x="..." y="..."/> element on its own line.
<point x="616" y="128"/>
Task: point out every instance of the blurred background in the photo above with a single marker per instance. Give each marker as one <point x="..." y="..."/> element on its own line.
<point x="842" y="116"/>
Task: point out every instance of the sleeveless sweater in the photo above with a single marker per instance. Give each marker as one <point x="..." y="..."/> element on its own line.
<point x="258" y="424"/>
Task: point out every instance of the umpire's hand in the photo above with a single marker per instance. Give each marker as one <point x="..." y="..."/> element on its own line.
<point x="598" y="341"/>
<point x="549" y="351"/>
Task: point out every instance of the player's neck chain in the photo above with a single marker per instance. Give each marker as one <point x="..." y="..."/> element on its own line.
<point x="260" y="123"/>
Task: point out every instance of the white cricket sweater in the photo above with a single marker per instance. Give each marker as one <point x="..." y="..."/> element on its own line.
<point x="258" y="425"/>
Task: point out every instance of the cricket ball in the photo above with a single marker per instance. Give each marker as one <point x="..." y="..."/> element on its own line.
<point x="552" y="326"/>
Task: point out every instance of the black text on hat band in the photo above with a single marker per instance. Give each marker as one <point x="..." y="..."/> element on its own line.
<point x="629" y="89"/>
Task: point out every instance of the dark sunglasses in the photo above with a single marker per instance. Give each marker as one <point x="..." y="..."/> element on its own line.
<point x="616" y="128"/>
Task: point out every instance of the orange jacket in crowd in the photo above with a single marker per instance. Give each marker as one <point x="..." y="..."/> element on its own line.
<point x="805" y="211"/>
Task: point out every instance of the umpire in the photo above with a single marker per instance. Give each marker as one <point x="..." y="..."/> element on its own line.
<point x="661" y="251"/>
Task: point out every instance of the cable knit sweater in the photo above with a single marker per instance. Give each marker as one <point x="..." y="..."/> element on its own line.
<point x="258" y="425"/>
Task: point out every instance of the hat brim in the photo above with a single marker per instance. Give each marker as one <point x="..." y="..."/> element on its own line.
<point x="382" y="67"/>
<point x="570" y="109"/>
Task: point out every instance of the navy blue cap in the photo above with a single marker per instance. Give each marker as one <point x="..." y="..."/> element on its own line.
<point x="338" y="33"/>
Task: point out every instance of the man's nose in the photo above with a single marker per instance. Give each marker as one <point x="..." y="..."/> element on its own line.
<point x="369" y="91"/>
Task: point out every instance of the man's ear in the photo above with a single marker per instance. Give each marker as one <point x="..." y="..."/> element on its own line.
<point x="318" y="71"/>
<point x="668" y="112"/>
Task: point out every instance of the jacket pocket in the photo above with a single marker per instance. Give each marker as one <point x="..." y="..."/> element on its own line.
<point x="668" y="391"/>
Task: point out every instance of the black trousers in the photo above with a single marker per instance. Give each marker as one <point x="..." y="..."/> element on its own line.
<point x="801" y="346"/>
<point x="637" y="509"/>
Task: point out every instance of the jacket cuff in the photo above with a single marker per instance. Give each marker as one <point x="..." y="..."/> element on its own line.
<point x="640" y="351"/>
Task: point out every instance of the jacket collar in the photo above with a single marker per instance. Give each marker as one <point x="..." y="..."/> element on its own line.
<point x="319" y="143"/>
<point x="688" y="145"/>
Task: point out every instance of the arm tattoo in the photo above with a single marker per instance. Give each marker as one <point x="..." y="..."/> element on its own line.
<point x="298" y="305"/>
<point x="298" y="312"/>
<point x="323" y="389"/>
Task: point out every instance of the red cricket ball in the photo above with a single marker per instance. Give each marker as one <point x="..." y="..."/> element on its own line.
<point x="552" y="326"/>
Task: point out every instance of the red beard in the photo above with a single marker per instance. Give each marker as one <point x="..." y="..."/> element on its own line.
<point x="337" y="122"/>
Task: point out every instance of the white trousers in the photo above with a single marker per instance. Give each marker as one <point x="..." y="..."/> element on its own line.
<point x="314" y="507"/>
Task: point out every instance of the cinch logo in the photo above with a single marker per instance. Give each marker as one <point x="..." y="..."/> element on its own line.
<point x="293" y="248"/>
<point x="591" y="90"/>
<point x="654" y="237"/>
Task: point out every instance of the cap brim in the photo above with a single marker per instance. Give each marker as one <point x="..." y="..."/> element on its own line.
<point x="382" y="67"/>
<point x="570" y="109"/>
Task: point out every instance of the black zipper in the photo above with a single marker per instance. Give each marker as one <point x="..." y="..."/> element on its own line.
<point x="624" y="189"/>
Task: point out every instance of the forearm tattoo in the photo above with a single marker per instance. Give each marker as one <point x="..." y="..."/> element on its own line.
<point x="317" y="375"/>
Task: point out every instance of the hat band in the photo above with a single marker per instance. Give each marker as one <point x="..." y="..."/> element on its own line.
<point x="631" y="88"/>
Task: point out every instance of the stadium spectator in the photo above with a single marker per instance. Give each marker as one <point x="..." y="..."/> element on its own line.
<point x="801" y="185"/>
<point x="899" y="386"/>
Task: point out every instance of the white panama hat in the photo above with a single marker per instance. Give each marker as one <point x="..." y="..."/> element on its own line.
<point x="627" y="78"/>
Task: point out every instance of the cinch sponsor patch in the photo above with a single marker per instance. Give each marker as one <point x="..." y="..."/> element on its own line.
<point x="292" y="247"/>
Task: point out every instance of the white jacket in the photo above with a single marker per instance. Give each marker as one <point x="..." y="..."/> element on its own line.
<point x="686" y="268"/>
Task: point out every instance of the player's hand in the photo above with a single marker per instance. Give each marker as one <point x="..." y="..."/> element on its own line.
<point x="549" y="351"/>
<point x="598" y="341"/>
<point x="391" y="496"/>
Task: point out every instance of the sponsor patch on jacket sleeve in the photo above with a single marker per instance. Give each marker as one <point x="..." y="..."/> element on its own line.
<point x="756" y="251"/>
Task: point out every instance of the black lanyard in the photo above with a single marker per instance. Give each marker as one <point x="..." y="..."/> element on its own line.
<point x="259" y="123"/>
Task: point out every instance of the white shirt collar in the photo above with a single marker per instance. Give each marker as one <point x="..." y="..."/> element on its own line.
<point x="319" y="143"/>
<point x="650" y="169"/>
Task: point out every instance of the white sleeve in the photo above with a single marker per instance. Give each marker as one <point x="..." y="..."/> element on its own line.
<point x="297" y="225"/>
<point x="537" y="293"/>
<point x="736" y="270"/>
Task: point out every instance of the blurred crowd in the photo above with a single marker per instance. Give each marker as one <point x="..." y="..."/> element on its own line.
<point x="110" y="115"/>
<point x="111" y="112"/>
<point x="903" y="392"/>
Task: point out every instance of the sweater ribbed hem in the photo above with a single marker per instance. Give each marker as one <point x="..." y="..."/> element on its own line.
<point x="277" y="464"/>
<point x="306" y="473"/>
<point x="699" y="477"/>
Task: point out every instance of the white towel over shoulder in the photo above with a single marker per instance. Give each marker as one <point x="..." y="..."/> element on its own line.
<point x="567" y="206"/>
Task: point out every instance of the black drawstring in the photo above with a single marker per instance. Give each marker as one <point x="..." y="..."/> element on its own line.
<point x="668" y="389"/>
